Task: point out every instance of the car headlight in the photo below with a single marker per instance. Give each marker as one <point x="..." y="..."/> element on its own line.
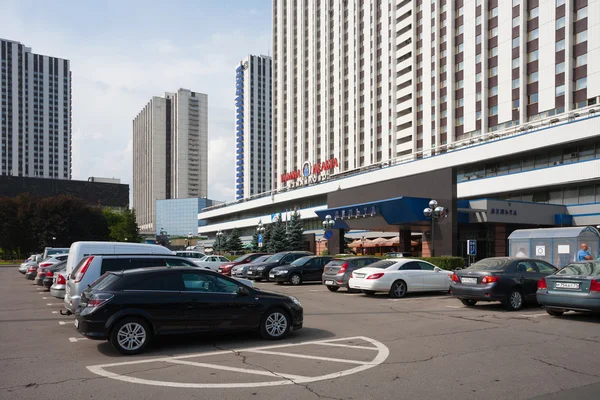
<point x="260" y="268"/>
<point x="296" y="301"/>
<point x="281" y="271"/>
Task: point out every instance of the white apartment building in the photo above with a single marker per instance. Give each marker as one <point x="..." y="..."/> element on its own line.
<point x="504" y="92"/>
<point x="170" y="152"/>
<point x="253" y="104"/>
<point x="36" y="113"/>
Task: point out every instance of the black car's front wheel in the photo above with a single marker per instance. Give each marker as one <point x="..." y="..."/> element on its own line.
<point x="275" y="324"/>
<point x="130" y="335"/>
<point x="468" y="303"/>
<point x="295" y="279"/>
<point x="514" y="300"/>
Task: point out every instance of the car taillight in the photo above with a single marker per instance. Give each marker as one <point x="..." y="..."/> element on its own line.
<point x="455" y="278"/>
<point x="61" y="280"/>
<point x="343" y="268"/>
<point x="83" y="269"/>
<point x="489" y="279"/>
<point x="42" y="265"/>
<point x="98" y="299"/>
<point x="49" y="274"/>
<point x="542" y="284"/>
<point x="31" y="269"/>
<point x="595" y="286"/>
<point x="375" y="276"/>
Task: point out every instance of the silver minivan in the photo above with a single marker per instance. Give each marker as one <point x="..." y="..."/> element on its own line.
<point x="91" y="268"/>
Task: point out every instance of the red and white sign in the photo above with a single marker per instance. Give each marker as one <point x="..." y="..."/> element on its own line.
<point x="307" y="171"/>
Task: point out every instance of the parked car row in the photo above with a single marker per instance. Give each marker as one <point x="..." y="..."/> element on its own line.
<point x="516" y="281"/>
<point x="130" y="293"/>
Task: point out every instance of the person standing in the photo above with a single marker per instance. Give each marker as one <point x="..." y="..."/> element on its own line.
<point x="584" y="254"/>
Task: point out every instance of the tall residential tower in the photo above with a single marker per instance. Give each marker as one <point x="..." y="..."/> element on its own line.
<point x="366" y="81"/>
<point x="36" y="113"/>
<point x="170" y="152"/>
<point x="253" y="126"/>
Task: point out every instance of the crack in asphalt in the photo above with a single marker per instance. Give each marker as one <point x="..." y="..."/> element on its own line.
<point x="562" y="336"/>
<point x="81" y="380"/>
<point x="564" y="368"/>
<point x="244" y="360"/>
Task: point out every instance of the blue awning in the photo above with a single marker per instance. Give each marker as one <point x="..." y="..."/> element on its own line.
<point x="395" y="211"/>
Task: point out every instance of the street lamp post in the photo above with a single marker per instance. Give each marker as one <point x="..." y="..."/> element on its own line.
<point x="219" y="236"/>
<point x="53" y="241"/>
<point x="260" y="230"/>
<point x="362" y="245"/>
<point x="189" y="240"/>
<point x="433" y="212"/>
<point x="328" y="223"/>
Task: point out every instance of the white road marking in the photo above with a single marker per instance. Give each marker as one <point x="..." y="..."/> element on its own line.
<point x="286" y="379"/>
<point x="54" y="304"/>
<point x="454" y="307"/>
<point x="46" y="298"/>
<point x="532" y="315"/>
<point x="233" y="369"/>
<point x="316" y="290"/>
<point x="66" y="322"/>
<point x="350" y="346"/>
<point x="338" y="360"/>
<point x="54" y="312"/>
<point x="73" y="340"/>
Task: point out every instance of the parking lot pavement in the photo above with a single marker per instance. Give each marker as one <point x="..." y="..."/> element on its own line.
<point x="351" y="347"/>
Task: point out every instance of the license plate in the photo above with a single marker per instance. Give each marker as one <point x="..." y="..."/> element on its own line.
<point x="250" y="272"/>
<point x="221" y="271"/>
<point x="468" y="280"/>
<point x="76" y="323"/>
<point x="359" y="275"/>
<point x="272" y="275"/>
<point x="566" y="285"/>
<point x="329" y="282"/>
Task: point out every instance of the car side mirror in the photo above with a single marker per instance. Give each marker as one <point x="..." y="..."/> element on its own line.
<point x="243" y="291"/>
<point x="437" y="269"/>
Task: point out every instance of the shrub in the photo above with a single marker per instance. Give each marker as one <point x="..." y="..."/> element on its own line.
<point x="445" y="262"/>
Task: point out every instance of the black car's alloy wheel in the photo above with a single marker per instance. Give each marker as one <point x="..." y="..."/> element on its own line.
<point x="295" y="279"/>
<point x="275" y="324"/>
<point x="514" y="301"/>
<point x="468" y="303"/>
<point x="398" y="289"/>
<point x="131" y="335"/>
<point x="333" y="288"/>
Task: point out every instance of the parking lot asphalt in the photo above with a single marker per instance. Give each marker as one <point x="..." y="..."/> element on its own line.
<point x="425" y="346"/>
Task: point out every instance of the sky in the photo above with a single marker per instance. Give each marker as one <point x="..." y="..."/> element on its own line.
<point x="124" y="52"/>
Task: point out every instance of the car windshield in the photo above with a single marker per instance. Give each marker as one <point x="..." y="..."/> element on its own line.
<point x="242" y="258"/>
<point x="301" y="261"/>
<point x="275" y="257"/>
<point x="261" y="259"/>
<point x="490" y="264"/>
<point x="382" y="264"/>
<point x="581" y="269"/>
<point x="104" y="281"/>
<point x="205" y="258"/>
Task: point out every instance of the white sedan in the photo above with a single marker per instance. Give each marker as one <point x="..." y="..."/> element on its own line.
<point x="400" y="276"/>
<point x="211" y="262"/>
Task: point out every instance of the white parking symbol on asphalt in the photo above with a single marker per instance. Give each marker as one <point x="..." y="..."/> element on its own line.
<point x="361" y="347"/>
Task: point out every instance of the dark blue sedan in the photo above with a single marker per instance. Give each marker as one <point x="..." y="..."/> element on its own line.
<point x="576" y="287"/>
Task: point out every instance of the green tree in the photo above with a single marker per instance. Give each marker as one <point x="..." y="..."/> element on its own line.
<point x="234" y="242"/>
<point x="254" y="243"/>
<point x="267" y="237"/>
<point x="295" y="233"/>
<point x="122" y="225"/>
<point x="277" y="241"/>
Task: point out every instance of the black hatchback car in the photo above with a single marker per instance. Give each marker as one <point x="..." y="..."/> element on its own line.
<point x="304" y="269"/>
<point x="260" y="271"/>
<point x="509" y="280"/>
<point x="129" y="308"/>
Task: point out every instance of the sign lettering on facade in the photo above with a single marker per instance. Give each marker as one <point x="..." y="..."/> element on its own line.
<point x="310" y="174"/>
